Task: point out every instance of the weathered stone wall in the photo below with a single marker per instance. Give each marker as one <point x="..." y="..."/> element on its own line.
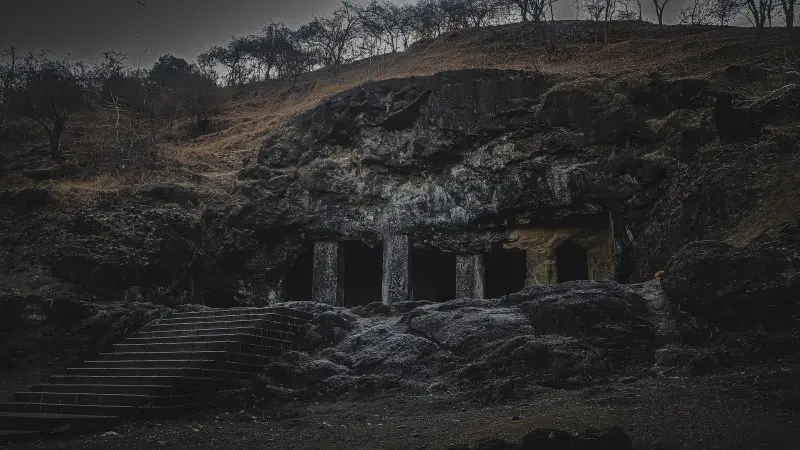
<point x="466" y="160"/>
<point x="396" y="270"/>
<point x="540" y="245"/>
<point x="327" y="284"/>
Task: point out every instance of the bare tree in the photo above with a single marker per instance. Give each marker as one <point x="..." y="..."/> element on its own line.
<point x="481" y="13"/>
<point x="695" y="13"/>
<point x="758" y="12"/>
<point x="597" y="9"/>
<point x="234" y="58"/>
<point x="530" y="10"/>
<point x="428" y="19"/>
<point x="624" y="11"/>
<point x="182" y="90"/>
<point x="47" y="92"/>
<point x="788" y="12"/>
<point x="381" y="26"/>
<point x="722" y="12"/>
<point x="333" y="39"/>
<point x="660" y="5"/>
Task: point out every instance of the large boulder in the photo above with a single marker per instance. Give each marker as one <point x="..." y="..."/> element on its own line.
<point x="568" y="335"/>
<point x="607" y="314"/>
<point x="734" y="287"/>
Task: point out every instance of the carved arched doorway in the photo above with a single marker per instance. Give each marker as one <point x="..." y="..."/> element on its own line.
<point x="571" y="262"/>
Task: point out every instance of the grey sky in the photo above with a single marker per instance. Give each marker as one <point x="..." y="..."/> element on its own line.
<point x="84" y="28"/>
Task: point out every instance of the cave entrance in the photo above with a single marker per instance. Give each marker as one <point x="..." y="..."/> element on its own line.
<point x="363" y="270"/>
<point x="571" y="262"/>
<point x="505" y="272"/>
<point x="300" y="277"/>
<point x="433" y="275"/>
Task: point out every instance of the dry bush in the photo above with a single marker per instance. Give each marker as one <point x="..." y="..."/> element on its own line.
<point x="120" y="142"/>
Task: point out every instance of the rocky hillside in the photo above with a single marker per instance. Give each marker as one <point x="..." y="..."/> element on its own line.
<point x="672" y="136"/>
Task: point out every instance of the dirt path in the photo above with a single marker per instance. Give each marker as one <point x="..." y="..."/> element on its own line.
<point x="696" y="413"/>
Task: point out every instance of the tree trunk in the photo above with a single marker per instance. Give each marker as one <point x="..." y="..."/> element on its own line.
<point x="55" y="141"/>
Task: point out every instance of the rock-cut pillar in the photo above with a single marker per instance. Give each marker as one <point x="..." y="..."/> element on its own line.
<point x="469" y="276"/>
<point x="328" y="283"/>
<point x="396" y="269"/>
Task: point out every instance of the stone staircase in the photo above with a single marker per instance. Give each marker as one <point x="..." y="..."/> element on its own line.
<point x="168" y="368"/>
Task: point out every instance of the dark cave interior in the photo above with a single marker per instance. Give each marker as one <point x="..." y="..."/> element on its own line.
<point x="363" y="268"/>
<point x="505" y="271"/>
<point x="571" y="262"/>
<point x="433" y="275"/>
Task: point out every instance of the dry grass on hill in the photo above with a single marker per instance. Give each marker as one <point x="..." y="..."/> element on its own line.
<point x="568" y="48"/>
<point x="253" y="112"/>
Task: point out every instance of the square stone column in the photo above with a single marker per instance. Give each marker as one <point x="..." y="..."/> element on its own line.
<point x="328" y="283"/>
<point x="469" y="276"/>
<point x="396" y="270"/>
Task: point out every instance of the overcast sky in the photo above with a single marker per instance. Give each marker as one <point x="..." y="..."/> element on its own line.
<point x="85" y="28"/>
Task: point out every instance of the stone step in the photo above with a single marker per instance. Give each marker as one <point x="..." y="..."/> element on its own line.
<point x="164" y="369"/>
<point x="145" y="411"/>
<point x="288" y="313"/>
<point x="54" y="408"/>
<point x="169" y="380"/>
<point x="220" y="312"/>
<point x="246" y="323"/>
<point x="267" y="332"/>
<point x="243" y="338"/>
<point x="187" y="355"/>
<point x="199" y="363"/>
<point x="225" y="317"/>
<point x="230" y="346"/>
<point x="121" y="389"/>
<point x="74" y="398"/>
<point x="37" y="422"/>
<point x="295" y="314"/>
<point x="190" y="372"/>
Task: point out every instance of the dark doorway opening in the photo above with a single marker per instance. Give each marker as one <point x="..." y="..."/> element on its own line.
<point x="433" y="275"/>
<point x="300" y="277"/>
<point x="571" y="262"/>
<point x="363" y="272"/>
<point x="505" y="272"/>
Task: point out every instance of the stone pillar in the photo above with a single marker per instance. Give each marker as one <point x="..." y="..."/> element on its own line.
<point x="328" y="283"/>
<point x="396" y="270"/>
<point x="469" y="276"/>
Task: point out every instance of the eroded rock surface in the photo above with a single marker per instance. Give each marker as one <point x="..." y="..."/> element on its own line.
<point x="734" y="287"/>
<point x="559" y="336"/>
<point x="569" y="335"/>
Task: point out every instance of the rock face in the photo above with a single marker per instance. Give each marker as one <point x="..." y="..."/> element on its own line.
<point x="559" y="336"/>
<point x="443" y="157"/>
<point x="59" y="322"/>
<point x="734" y="287"/>
<point x="461" y="160"/>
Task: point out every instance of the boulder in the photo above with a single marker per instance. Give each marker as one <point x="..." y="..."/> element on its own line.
<point x="734" y="287"/>
<point x="568" y="335"/>
<point x="608" y="314"/>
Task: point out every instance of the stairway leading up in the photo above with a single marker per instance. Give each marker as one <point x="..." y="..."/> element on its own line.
<point x="168" y="368"/>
